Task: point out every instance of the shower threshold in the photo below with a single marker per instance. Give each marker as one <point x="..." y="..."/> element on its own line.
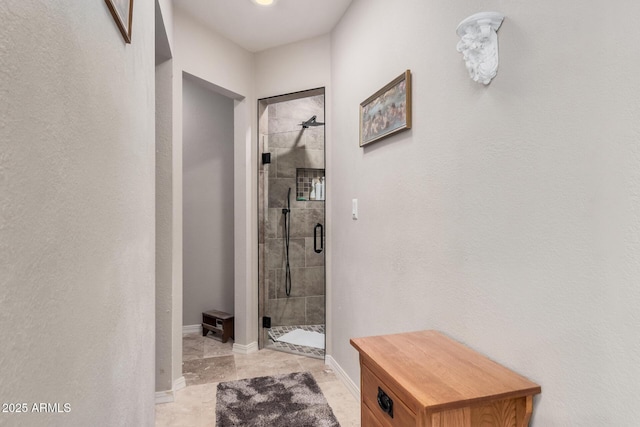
<point x="278" y="331"/>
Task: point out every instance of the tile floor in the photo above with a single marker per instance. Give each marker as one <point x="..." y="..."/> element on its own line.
<point x="207" y="361"/>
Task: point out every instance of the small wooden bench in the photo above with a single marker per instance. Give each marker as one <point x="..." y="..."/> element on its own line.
<point x="217" y="321"/>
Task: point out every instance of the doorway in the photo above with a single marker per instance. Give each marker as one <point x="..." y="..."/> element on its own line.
<point x="291" y="219"/>
<point x="207" y="201"/>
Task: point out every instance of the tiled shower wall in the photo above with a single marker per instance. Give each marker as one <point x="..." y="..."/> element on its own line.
<point x="291" y="148"/>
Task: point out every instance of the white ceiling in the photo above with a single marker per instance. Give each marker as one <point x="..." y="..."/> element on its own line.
<point x="257" y="28"/>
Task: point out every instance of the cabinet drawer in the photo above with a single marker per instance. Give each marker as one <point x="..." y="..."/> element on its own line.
<point x="368" y="420"/>
<point x="372" y="387"/>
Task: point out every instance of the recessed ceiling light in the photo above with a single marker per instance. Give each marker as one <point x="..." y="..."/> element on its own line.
<point x="263" y="2"/>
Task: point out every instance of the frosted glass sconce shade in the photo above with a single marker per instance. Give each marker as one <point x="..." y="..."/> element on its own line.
<point x="479" y="45"/>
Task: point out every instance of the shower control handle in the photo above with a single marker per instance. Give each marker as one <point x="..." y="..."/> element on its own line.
<point x="315" y="238"/>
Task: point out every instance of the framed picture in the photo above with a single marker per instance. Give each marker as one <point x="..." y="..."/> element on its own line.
<point x="386" y="112"/>
<point x="122" y="11"/>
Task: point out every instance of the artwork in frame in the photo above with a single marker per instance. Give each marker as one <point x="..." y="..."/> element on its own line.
<point x="386" y="112"/>
<point x="122" y="11"/>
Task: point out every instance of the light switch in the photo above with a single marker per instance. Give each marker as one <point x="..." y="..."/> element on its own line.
<point x="354" y="208"/>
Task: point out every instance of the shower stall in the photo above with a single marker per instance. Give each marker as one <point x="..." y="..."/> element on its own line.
<point x="291" y="217"/>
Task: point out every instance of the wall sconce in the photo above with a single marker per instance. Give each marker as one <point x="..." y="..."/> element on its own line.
<point x="479" y="45"/>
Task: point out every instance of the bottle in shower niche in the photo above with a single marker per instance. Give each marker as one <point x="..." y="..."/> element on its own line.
<point x="319" y="190"/>
<point x="322" y="188"/>
<point x="312" y="194"/>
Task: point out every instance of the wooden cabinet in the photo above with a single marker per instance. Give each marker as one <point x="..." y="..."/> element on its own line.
<point x="218" y="322"/>
<point x="426" y="379"/>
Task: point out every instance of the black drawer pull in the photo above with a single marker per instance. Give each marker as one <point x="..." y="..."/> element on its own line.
<point x="385" y="402"/>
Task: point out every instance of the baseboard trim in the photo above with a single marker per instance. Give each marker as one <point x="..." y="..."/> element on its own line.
<point x="169" y="396"/>
<point x="245" y="349"/>
<point x="190" y="329"/>
<point x="179" y="384"/>
<point x="342" y="375"/>
<point x="165" y="396"/>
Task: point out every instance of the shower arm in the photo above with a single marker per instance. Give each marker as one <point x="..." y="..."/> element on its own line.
<point x="311" y="122"/>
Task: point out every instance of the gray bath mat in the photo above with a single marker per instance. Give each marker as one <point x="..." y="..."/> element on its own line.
<point x="281" y="400"/>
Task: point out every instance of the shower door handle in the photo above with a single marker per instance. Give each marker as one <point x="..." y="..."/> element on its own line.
<point x="315" y="238"/>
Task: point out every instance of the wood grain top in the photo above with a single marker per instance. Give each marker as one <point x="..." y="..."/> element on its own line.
<point x="219" y="314"/>
<point x="433" y="371"/>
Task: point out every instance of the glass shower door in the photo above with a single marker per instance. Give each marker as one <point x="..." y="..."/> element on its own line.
<point x="292" y="217"/>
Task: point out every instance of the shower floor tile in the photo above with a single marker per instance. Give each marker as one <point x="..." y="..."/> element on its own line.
<point x="277" y="331"/>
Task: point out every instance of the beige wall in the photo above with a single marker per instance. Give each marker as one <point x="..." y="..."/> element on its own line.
<point x="165" y="341"/>
<point x="202" y="53"/>
<point x="207" y="201"/>
<point x="233" y="71"/>
<point x="77" y="213"/>
<point x="291" y="68"/>
<point x="294" y="67"/>
<point x="166" y="10"/>
<point x="168" y="304"/>
<point x="508" y="216"/>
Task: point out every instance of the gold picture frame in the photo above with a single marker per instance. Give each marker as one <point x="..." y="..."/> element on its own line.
<point x="122" y="11"/>
<point x="386" y="112"/>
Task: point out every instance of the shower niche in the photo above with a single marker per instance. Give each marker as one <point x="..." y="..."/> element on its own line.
<point x="310" y="185"/>
<point x="291" y="215"/>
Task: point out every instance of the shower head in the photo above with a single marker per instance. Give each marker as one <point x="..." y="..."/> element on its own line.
<point x="311" y="122"/>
